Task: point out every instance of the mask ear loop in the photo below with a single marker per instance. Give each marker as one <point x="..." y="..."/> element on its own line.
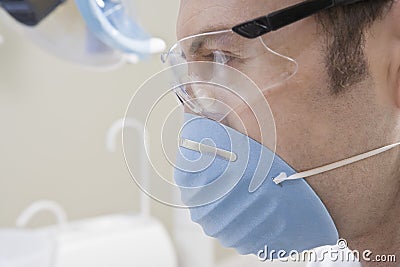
<point x="301" y="175"/>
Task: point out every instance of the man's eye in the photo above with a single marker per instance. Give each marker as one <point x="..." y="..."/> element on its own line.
<point x="206" y="57"/>
<point x="217" y="56"/>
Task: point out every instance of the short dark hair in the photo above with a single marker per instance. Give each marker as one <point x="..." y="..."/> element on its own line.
<point x="344" y="29"/>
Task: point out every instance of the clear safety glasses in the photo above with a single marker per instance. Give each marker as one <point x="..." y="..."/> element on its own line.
<point x="247" y="48"/>
<point x="206" y="83"/>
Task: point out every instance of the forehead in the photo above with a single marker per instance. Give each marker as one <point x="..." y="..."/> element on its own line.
<point x="198" y="16"/>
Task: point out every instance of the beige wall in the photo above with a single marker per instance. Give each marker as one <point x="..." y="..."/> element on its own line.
<point x="54" y="117"/>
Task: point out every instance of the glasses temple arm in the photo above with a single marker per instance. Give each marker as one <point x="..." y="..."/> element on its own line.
<point x="281" y="18"/>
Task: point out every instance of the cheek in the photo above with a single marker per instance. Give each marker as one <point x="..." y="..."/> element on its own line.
<point x="256" y="122"/>
<point x="303" y="126"/>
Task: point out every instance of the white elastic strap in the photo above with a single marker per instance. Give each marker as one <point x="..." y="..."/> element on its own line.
<point x="301" y="175"/>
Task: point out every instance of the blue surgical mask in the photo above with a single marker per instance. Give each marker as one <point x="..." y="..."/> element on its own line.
<point x="283" y="213"/>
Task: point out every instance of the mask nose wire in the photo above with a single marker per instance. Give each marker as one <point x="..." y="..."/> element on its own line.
<point x="203" y="148"/>
<point x="301" y="175"/>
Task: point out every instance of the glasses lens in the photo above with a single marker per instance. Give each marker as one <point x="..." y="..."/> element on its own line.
<point x="207" y="57"/>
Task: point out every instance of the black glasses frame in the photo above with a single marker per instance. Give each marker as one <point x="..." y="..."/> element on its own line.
<point x="281" y="18"/>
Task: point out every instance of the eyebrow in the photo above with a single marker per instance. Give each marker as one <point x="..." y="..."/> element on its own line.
<point x="208" y="28"/>
<point x="198" y="41"/>
<point x="214" y="28"/>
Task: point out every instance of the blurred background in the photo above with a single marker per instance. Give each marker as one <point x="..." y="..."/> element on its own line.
<point x="55" y="115"/>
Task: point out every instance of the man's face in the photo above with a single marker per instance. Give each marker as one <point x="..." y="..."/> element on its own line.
<point x="315" y="127"/>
